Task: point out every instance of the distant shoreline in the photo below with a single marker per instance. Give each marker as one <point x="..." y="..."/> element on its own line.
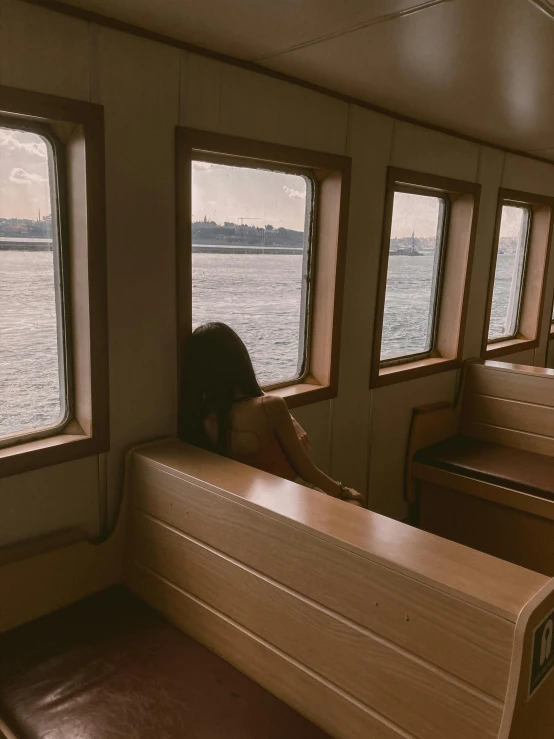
<point x="246" y="249"/>
<point x="7" y="244"/>
<point x="17" y="244"/>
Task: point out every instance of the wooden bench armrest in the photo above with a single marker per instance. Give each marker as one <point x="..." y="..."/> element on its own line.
<point x="429" y="425"/>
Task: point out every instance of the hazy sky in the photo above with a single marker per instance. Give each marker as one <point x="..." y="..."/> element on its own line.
<point x="416" y="213"/>
<point x="219" y="192"/>
<point x="24" y="185"/>
<point x="224" y="193"/>
<point x="512" y="221"/>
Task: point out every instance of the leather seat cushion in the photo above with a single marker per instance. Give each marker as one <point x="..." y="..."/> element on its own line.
<point x="517" y="469"/>
<point x="110" y="666"/>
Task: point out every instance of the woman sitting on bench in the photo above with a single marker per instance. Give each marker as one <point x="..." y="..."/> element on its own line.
<point x="226" y="411"/>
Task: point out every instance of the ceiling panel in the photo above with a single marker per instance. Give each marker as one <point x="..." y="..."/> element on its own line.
<point x="249" y="28"/>
<point x="481" y="67"/>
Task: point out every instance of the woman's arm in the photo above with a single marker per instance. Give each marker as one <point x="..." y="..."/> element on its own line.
<point x="286" y="433"/>
<point x="302" y="435"/>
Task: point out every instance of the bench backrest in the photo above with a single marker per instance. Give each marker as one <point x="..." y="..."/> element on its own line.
<point x="509" y="404"/>
<point x="368" y="627"/>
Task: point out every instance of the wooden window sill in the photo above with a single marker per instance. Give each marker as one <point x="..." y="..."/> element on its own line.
<point x="510" y="346"/>
<point x="412" y="370"/>
<point x="304" y="393"/>
<point x="32" y="455"/>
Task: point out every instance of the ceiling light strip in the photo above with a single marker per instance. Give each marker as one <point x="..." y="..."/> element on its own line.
<point x="544" y="6"/>
<point x="367" y="24"/>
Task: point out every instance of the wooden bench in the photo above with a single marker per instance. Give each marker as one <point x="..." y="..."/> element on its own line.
<point x="482" y="472"/>
<point x="109" y="666"/>
<point x="365" y="626"/>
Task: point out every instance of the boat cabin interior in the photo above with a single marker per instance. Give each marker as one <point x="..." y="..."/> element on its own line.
<point x="276" y="369"/>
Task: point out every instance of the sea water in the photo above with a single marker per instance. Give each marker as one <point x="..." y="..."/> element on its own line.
<point x="259" y="295"/>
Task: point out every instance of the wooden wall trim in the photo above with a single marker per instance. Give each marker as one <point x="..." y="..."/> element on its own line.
<point x="457" y="259"/>
<point x="81" y="144"/>
<point x="117" y="25"/>
<point x="535" y="276"/>
<point x="331" y="172"/>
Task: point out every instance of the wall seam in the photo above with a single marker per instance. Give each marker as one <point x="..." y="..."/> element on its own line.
<point x="180" y="114"/>
<point x="2" y="8"/>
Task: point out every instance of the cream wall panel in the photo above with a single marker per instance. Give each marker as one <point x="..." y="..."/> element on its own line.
<point x="491" y="163"/>
<point x="199" y="92"/>
<point x="139" y="86"/>
<point x="234" y="101"/>
<point x="260" y="107"/>
<point x="435" y="153"/>
<point x="369" y="144"/>
<point x="43" y="51"/>
<point x="521" y="173"/>
<point x="55" y="498"/>
<point x="390" y="424"/>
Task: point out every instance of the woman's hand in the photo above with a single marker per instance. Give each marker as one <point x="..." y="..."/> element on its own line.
<point x="353" y="496"/>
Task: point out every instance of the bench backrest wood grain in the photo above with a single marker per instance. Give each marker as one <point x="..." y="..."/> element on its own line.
<point x="509" y="404"/>
<point x="363" y="624"/>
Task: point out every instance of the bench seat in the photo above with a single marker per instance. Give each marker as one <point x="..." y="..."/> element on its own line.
<point x="110" y="666"/>
<point x="516" y="469"/>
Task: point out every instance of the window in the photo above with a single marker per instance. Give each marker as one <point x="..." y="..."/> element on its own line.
<point x="509" y="271"/>
<point x="251" y="248"/>
<point x="33" y="353"/>
<point x="261" y="234"/>
<point x="518" y="273"/>
<point x="53" y="332"/>
<point x="427" y="247"/>
<point x="413" y="276"/>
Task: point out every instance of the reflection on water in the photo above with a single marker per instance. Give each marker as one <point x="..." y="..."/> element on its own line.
<point x="29" y="381"/>
<point x="408" y="302"/>
<point x="258" y="295"/>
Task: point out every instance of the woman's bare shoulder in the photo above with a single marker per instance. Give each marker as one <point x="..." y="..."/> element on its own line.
<point x="276" y="408"/>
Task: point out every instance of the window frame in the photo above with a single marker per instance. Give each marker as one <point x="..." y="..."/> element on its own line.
<point x="306" y="307"/>
<point x="511" y="204"/>
<point x="330" y="174"/>
<point x="437" y="287"/>
<point x="534" y="277"/>
<point x="57" y="178"/>
<point x="76" y="130"/>
<point x="458" y="244"/>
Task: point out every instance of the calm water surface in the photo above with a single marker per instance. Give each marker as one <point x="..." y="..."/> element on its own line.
<point x="29" y="380"/>
<point x="259" y="295"/>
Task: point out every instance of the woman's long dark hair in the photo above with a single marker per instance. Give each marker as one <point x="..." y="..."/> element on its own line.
<point x="217" y="371"/>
